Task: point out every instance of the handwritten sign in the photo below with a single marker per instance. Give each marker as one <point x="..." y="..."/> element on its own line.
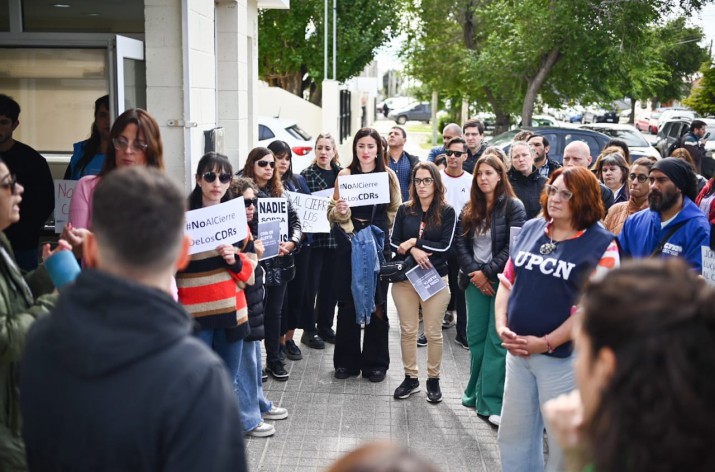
<point x="708" y="264"/>
<point x="215" y="225"/>
<point x="274" y="209"/>
<point x="269" y="233"/>
<point x="365" y="189"/>
<point x="426" y="282"/>
<point x="312" y="211"/>
<point x="63" y="195"/>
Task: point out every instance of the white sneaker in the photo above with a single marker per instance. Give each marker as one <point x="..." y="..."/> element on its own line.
<point x="263" y="430"/>
<point x="495" y="420"/>
<point x="276" y="413"/>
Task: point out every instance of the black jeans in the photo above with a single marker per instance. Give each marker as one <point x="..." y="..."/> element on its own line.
<point x="375" y="353"/>
<point x="272" y="308"/>
<point x="321" y="289"/>
<point x="457" y="300"/>
<point x="297" y="309"/>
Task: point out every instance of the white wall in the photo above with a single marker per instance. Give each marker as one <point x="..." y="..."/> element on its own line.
<point x="278" y="103"/>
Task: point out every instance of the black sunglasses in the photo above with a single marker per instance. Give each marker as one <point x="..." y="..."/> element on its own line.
<point x="266" y="163"/>
<point x="250" y="201"/>
<point x="454" y="153"/>
<point x="9" y="182"/>
<point x="211" y="176"/>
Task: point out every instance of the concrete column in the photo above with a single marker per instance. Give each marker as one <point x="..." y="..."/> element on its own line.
<point x="331" y="107"/>
<point x="231" y="74"/>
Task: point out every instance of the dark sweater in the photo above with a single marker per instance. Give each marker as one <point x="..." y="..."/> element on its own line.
<point x="113" y="380"/>
<point x="528" y="189"/>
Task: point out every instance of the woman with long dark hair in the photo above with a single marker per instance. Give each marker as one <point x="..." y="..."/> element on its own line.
<point x="645" y="352"/>
<point x="550" y="262"/>
<point x="373" y="359"/>
<point x="261" y="168"/>
<point x="424" y="230"/>
<point x="482" y="245"/>
<point x="88" y="156"/>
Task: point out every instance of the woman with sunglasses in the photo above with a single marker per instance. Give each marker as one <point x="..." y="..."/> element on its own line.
<point x="211" y="285"/>
<point x="638" y="189"/>
<point x="297" y="312"/>
<point x="482" y="247"/>
<point x="424" y="230"/>
<point x="550" y="262"/>
<point x="261" y="168"/>
<point x="135" y="141"/>
<point x="22" y="300"/>
<point x="373" y="359"/>
<point x="321" y="175"/>
<point x="612" y="171"/>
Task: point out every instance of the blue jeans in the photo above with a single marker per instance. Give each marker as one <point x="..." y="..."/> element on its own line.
<point x="248" y="386"/>
<point x="229" y="352"/>
<point x="366" y="257"/>
<point x="529" y="383"/>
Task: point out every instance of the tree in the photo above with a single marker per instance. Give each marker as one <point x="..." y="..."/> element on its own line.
<point x="702" y="97"/>
<point x="291" y="51"/>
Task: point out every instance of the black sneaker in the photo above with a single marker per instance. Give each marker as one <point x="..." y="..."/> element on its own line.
<point x="422" y="341"/>
<point x="282" y="352"/>
<point x="376" y="375"/>
<point x="434" y="393"/>
<point x="461" y="341"/>
<point x="407" y="388"/>
<point x="277" y="370"/>
<point x="328" y="336"/>
<point x="293" y="351"/>
<point x="264" y="376"/>
<point x="343" y="373"/>
<point x="312" y="340"/>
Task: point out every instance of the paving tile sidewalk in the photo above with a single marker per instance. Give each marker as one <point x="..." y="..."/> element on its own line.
<point x="329" y="417"/>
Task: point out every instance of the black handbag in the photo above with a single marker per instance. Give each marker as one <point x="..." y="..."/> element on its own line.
<point x="462" y="280"/>
<point x="279" y="270"/>
<point x="396" y="270"/>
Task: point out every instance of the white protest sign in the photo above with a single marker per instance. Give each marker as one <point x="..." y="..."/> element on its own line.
<point x="365" y="189"/>
<point x="274" y="209"/>
<point x="215" y="225"/>
<point x="327" y="193"/>
<point x="63" y="194"/>
<point x="312" y="211"/>
<point x="269" y="234"/>
<point x="708" y="264"/>
<point x="426" y="282"/>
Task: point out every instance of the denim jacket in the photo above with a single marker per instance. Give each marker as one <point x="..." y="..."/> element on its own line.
<point x="366" y="259"/>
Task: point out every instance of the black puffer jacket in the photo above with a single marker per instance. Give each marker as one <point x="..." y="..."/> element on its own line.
<point x="507" y="212"/>
<point x="254" y="300"/>
<point x="528" y="189"/>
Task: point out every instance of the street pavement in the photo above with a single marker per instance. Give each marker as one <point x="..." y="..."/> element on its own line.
<point x="330" y="417"/>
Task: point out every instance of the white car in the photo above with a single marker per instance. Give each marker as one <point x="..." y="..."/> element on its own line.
<point x="675" y="114"/>
<point x="300" y="142"/>
<point x="633" y="138"/>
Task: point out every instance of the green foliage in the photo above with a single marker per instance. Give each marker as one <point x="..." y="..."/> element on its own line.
<point x="291" y="42"/>
<point x="702" y="97"/>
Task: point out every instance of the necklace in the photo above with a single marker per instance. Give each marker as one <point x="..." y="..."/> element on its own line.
<point x="548" y="248"/>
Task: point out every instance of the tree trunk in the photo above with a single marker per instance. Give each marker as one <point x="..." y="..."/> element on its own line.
<point x="534" y="85"/>
<point x="632" y="118"/>
<point x="502" y="117"/>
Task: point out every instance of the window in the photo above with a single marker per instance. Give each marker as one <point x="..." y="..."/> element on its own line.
<point x="4" y="16"/>
<point x="264" y="132"/>
<point x="298" y="133"/>
<point x="87" y="16"/>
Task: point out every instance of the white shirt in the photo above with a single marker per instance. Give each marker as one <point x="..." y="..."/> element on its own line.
<point x="457" y="189"/>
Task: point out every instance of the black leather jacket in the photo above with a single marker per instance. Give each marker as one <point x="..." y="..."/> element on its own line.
<point x="505" y="214"/>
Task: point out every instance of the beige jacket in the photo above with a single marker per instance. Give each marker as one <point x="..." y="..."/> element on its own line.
<point x="617" y="214"/>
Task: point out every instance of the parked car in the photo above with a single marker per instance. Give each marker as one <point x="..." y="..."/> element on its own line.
<point x="655" y="118"/>
<point x="417" y="112"/>
<point x="599" y="115"/>
<point x="642" y="124"/>
<point x="672" y="130"/>
<point x="394" y="103"/>
<point x="633" y="138"/>
<point x="543" y="120"/>
<point x="558" y="138"/>
<point x="300" y="142"/>
<point x="676" y="114"/>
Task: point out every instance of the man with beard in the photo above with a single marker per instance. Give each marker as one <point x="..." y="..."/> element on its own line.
<point x="673" y="226"/>
<point x="543" y="163"/>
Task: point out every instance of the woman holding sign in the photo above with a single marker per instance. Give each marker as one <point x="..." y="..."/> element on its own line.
<point x="423" y="230"/>
<point x="319" y="176"/>
<point x="261" y="168"/>
<point x="482" y="245"/>
<point x="374" y="357"/>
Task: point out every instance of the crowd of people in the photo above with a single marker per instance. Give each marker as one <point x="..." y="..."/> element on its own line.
<point x="152" y="358"/>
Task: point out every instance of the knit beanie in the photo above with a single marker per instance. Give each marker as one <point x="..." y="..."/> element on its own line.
<point x="680" y="173"/>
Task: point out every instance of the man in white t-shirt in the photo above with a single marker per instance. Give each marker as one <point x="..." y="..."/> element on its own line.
<point x="457" y="186"/>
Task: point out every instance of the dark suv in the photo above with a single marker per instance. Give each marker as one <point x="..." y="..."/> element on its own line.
<point x="672" y="130"/>
<point x="558" y="139"/>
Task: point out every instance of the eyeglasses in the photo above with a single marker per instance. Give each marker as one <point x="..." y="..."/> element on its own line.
<point x="211" y="176"/>
<point x="122" y="145"/>
<point x="9" y="182"/>
<point x="552" y="191"/>
<point x="425" y="181"/>
<point x="639" y="177"/>
<point x="250" y="201"/>
<point x="266" y="163"/>
<point x="454" y="153"/>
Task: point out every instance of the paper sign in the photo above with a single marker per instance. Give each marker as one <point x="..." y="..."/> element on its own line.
<point x="426" y="282"/>
<point x="269" y="234"/>
<point x="708" y="264"/>
<point x="312" y="211"/>
<point x="63" y="194"/>
<point x="365" y="189"/>
<point x="513" y="236"/>
<point x="274" y="209"/>
<point x="327" y="193"/>
<point x="215" y="225"/>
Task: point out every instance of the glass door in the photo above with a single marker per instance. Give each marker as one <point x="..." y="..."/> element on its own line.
<point x="129" y="79"/>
